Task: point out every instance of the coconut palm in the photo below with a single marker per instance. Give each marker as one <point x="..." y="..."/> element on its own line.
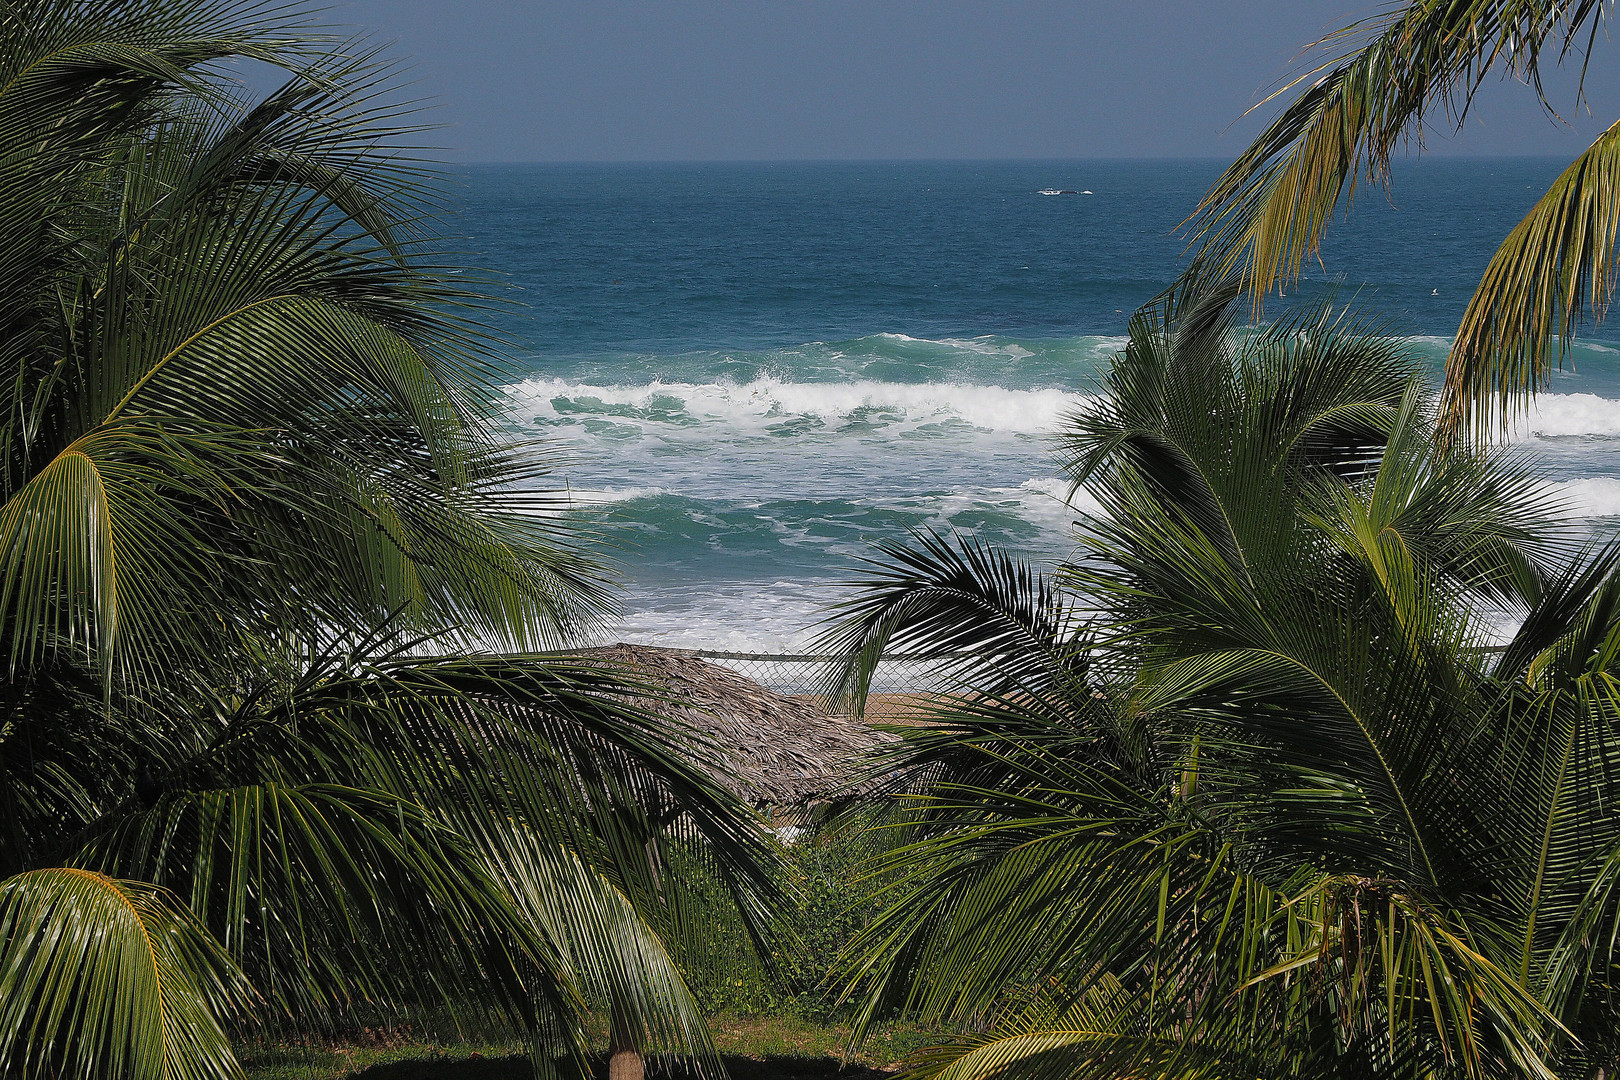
<point x="240" y="396"/>
<point x="344" y="832"/>
<point x="1368" y="91"/>
<point x="1245" y="790"/>
<point x="249" y="421"/>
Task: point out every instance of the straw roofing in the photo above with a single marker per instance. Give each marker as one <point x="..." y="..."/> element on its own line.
<point x="783" y="754"/>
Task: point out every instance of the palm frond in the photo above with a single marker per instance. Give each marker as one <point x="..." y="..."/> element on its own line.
<point x="1381" y="79"/>
<point x="337" y="898"/>
<point x="1291" y="817"/>
<point x="101" y="977"/>
<point x="246" y="408"/>
<point x="1555" y="268"/>
<point x="619" y="960"/>
<point x="259" y="273"/>
<point x="961" y="604"/>
<point x="358" y="827"/>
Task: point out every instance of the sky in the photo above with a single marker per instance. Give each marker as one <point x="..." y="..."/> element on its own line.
<point x="712" y="80"/>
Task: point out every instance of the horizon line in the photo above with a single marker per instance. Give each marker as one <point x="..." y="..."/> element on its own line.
<point x="1092" y="158"/>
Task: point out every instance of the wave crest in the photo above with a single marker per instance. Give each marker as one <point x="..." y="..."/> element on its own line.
<point x="1591" y="497"/>
<point x="1565" y="415"/>
<point x="767" y="401"/>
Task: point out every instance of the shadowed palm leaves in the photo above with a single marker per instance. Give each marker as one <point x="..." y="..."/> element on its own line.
<point x="1248" y="796"/>
<point x="1378" y="82"/>
<point x="244" y="417"/>
<point x="363" y="829"/>
<point x="239" y="398"/>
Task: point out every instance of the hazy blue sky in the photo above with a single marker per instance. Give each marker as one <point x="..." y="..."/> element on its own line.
<point x="612" y="80"/>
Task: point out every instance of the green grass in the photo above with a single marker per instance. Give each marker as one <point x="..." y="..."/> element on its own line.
<point x="761" y="1038"/>
<point x="752" y="1047"/>
<point x="407" y="1061"/>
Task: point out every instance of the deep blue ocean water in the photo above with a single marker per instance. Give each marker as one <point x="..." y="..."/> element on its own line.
<point x="760" y="369"/>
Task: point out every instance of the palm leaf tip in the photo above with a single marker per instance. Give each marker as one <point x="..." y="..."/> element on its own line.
<point x="1381" y="81"/>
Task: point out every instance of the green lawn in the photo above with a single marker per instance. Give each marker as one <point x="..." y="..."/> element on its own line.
<point x="753" y="1048"/>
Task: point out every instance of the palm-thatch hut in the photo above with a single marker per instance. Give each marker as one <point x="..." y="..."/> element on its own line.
<point x="788" y="756"/>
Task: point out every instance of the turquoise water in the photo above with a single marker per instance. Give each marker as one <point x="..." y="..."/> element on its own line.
<point x="760" y="369"/>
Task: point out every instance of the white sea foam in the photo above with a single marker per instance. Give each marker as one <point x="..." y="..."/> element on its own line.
<point x="778" y="616"/>
<point x="982" y="345"/>
<point x="1042" y="502"/>
<point x="600" y="496"/>
<point x="1597" y="496"/>
<point x="987" y="346"/>
<point x="1046" y="502"/>
<point x="1054" y="491"/>
<point x="1431" y="340"/>
<point x="1556" y="415"/>
<point x="768" y="400"/>
<point x="1444" y="341"/>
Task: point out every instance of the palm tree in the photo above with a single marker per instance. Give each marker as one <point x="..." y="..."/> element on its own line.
<point x="1374" y="85"/>
<point x="241" y="397"/>
<point x="346" y="831"/>
<point x="255" y="505"/>
<point x="1246" y="789"/>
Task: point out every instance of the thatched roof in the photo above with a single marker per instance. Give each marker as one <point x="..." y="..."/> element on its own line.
<point x="784" y="754"/>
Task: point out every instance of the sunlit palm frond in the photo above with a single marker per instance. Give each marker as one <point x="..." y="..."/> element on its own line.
<point x="1096" y="1034"/>
<point x="1381" y="79"/>
<point x="1450" y="538"/>
<point x="618" y="958"/>
<point x="91" y="550"/>
<point x="1555" y="268"/>
<point x="101" y="977"/>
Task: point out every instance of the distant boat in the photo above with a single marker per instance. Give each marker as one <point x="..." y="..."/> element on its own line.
<point x="1058" y="191"/>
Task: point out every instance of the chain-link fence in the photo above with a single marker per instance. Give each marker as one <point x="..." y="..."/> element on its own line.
<point x="899" y="687"/>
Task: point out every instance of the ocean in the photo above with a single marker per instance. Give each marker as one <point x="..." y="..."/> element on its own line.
<point x="758" y="370"/>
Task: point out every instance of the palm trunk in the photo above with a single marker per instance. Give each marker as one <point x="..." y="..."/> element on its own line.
<point x="626" y="1064"/>
<point x="624" y="1051"/>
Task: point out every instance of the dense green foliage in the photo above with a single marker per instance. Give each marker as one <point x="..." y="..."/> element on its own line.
<point x="829" y="896"/>
<point x="252" y="503"/>
<point x="1241" y="791"/>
